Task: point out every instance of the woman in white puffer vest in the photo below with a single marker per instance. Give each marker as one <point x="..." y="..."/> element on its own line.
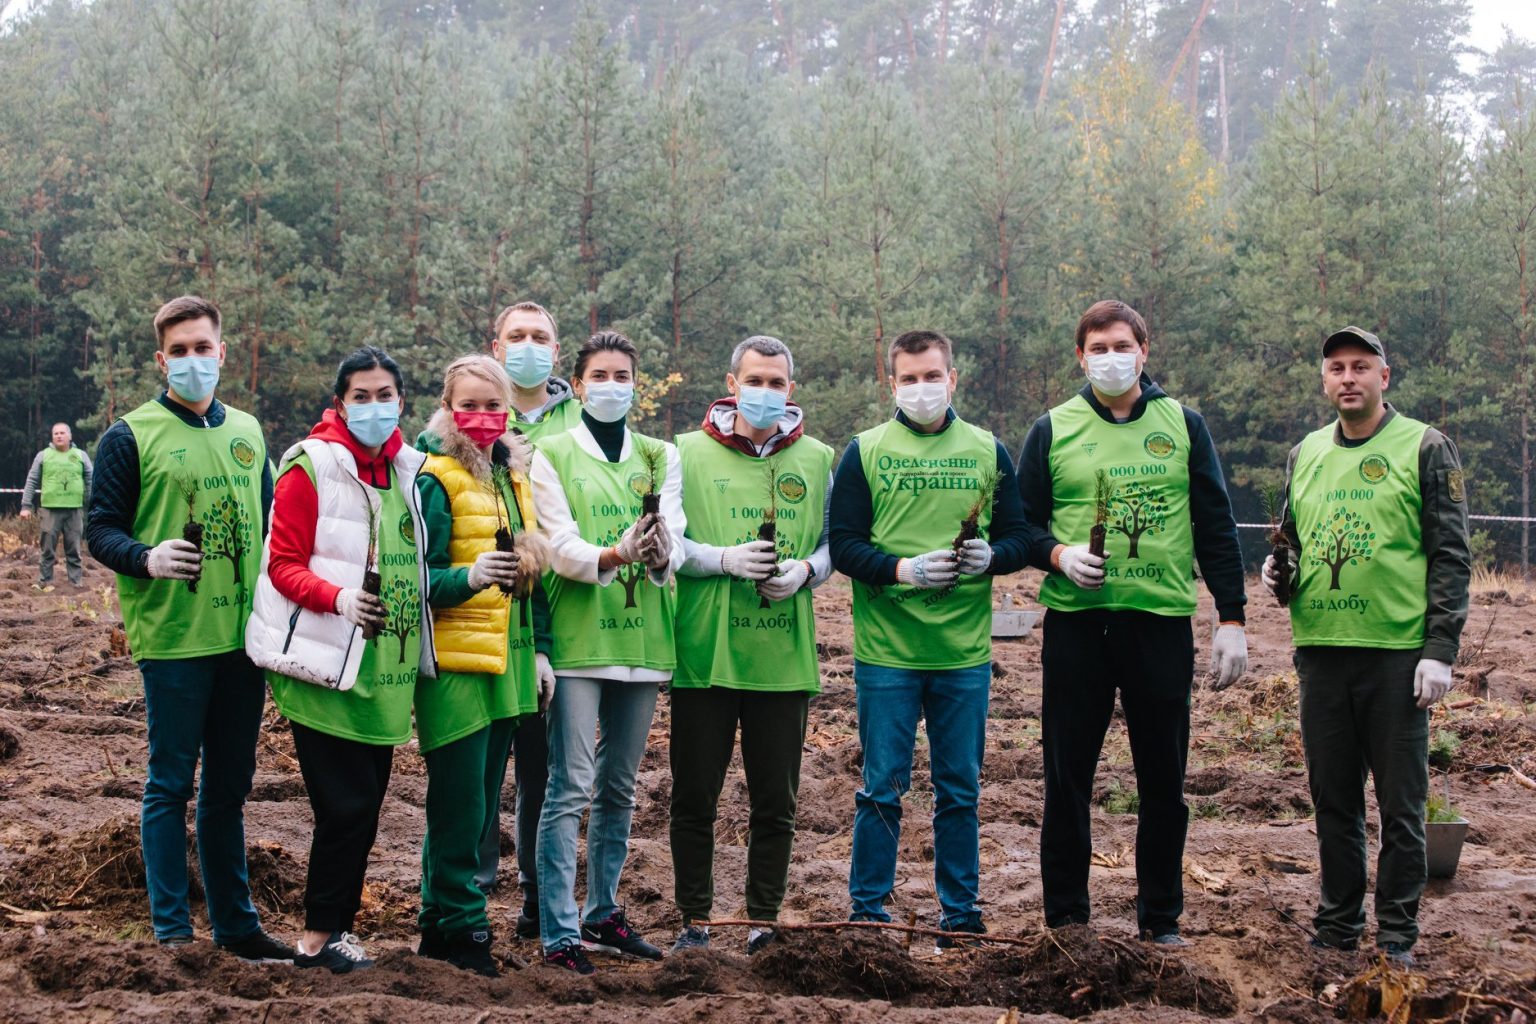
<point x="341" y="625"/>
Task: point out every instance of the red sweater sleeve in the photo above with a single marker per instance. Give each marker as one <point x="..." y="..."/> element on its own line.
<point x="295" y="510"/>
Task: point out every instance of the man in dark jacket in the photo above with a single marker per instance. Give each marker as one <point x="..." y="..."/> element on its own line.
<point x="1122" y="455"/>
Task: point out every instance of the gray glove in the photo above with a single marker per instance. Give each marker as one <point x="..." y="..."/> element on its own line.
<point x="174" y="559"/>
<point x="493" y="567"/>
<point x="754" y="560"/>
<point x="930" y="571"/>
<point x="1084" y="569"/>
<point x="975" y="557"/>
<point x="359" y="607"/>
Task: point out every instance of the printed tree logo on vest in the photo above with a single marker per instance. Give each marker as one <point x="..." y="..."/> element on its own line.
<point x="628" y="575"/>
<point x="1374" y="468"/>
<point x="791" y="487"/>
<point x="1344" y="538"/>
<point x="242" y="452"/>
<point x="1158" y="445"/>
<point x="407" y="529"/>
<point x="227" y="531"/>
<point x="402" y="608"/>
<point x="1137" y="509"/>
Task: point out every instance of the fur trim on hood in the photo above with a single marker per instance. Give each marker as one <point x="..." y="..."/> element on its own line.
<point x="512" y="449"/>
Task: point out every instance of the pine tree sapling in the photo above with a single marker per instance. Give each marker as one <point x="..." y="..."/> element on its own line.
<point x="654" y="458"/>
<point x="501" y="482"/>
<point x="1280" y="547"/>
<point x="970" y="526"/>
<point x="1103" y="496"/>
<point x="768" y="529"/>
<point x="191" y="530"/>
<point x="373" y="583"/>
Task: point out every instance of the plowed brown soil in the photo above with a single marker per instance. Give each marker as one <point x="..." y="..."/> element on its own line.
<point x="75" y="944"/>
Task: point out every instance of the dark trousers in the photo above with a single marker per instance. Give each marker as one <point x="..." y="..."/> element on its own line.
<point x="207" y="709"/>
<point x="346" y="781"/>
<point x="65" y="524"/>
<point x="1358" y="716"/>
<point x="704" y="724"/>
<point x="1150" y="660"/>
<point x="530" y="774"/>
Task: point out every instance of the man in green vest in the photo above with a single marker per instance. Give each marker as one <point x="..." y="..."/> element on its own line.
<point x="925" y="511"/>
<point x="746" y="635"/>
<point x="1122" y="455"/>
<point x="179" y="509"/>
<point x="57" y="484"/>
<point x="526" y="342"/>
<point x="1376" y="512"/>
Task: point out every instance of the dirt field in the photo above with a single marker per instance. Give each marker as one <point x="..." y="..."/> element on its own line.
<point x="75" y="944"/>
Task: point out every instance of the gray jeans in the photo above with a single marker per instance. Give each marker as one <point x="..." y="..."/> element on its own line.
<point x="56" y="523"/>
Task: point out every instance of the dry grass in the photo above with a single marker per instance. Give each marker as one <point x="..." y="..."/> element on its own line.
<point x="1487" y="580"/>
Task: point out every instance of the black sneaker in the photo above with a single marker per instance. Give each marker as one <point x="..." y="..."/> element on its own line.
<point x="260" y="948"/>
<point x="528" y="917"/>
<point x="173" y="941"/>
<point x="759" y="940"/>
<point x="432" y="945"/>
<point x="1321" y="941"/>
<point x="1399" y="954"/>
<point x="614" y="936"/>
<point x="973" y="927"/>
<point x="341" y="954"/>
<point x="471" y="951"/>
<point x="571" y="958"/>
<point x="691" y="937"/>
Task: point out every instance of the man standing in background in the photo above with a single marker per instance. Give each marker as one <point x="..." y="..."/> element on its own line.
<point x="58" y="484"/>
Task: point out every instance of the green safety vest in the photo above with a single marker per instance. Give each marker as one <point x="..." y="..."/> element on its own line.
<point x="724" y="635"/>
<point x="163" y="618"/>
<point x="553" y="423"/>
<point x="629" y="622"/>
<point x="1363" y="566"/>
<point x="377" y="709"/>
<point x="1150" y="543"/>
<point x="63" y="478"/>
<point x="921" y="488"/>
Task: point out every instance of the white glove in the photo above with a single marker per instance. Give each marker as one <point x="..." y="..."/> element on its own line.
<point x="975" y="557"/>
<point x="791" y="576"/>
<point x="656" y="545"/>
<point x="174" y="559"/>
<point x="493" y="567"/>
<point x="1431" y="681"/>
<point x="929" y="572"/>
<point x="628" y="547"/>
<point x="546" y="681"/>
<point x="359" y="607"/>
<point x="1270" y="574"/>
<point x="754" y="560"/>
<point x="1084" y="569"/>
<point x="1229" y="655"/>
<point x="26" y="513"/>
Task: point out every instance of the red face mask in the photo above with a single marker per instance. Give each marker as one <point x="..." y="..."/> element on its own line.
<point x="481" y="427"/>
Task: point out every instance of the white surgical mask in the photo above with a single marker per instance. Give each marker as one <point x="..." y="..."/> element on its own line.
<point x="1112" y="373"/>
<point x="609" y="401"/>
<point x="923" y="402"/>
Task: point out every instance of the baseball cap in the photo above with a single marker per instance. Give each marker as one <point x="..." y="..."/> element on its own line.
<point x="1355" y="336"/>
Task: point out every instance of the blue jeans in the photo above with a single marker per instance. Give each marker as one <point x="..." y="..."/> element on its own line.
<point x="597" y="734"/>
<point x="209" y="706"/>
<point x="954" y="704"/>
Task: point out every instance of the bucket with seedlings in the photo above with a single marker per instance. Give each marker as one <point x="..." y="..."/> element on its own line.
<point x="1445" y="831"/>
<point x="191" y="530"/>
<point x="1280" y="546"/>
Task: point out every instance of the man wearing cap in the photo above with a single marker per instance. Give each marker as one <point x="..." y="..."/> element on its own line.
<point x="1375" y="509"/>
<point x="1122" y="453"/>
<point x="57" y="485"/>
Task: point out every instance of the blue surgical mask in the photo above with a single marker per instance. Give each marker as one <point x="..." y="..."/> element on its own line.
<point x="192" y="377"/>
<point x="609" y="401"/>
<point x="762" y="407"/>
<point x="528" y="363"/>
<point x="373" y="422"/>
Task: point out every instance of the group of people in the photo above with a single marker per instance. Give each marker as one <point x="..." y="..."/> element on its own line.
<point x="525" y="578"/>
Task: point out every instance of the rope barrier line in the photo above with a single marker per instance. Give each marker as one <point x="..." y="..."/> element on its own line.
<point x="1481" y="519"/>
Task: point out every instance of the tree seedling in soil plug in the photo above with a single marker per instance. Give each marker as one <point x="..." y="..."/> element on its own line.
<point x="970" y="526"/>
<point x="1103" y="496"/>
<point x="1280" y="547"/>
<point x="191" y="530"/>
<point x="373" y="583"/>
<point x="654" y="458"/>
<point x="768" y="529"/>
<point x="501" y="482"/>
